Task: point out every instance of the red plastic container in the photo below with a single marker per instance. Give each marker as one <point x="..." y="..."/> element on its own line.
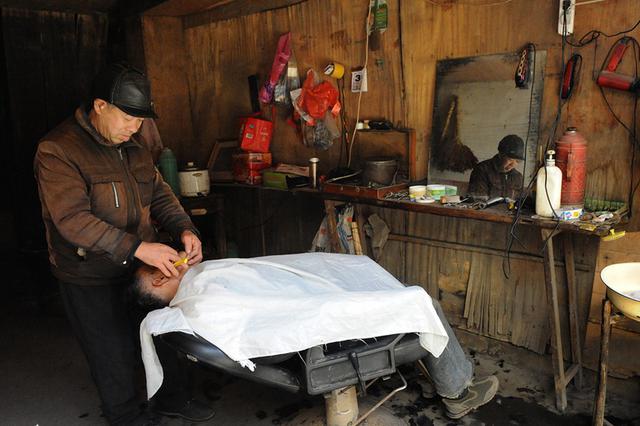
<point x="255" y="134"/>
<point x="571" y="158"/>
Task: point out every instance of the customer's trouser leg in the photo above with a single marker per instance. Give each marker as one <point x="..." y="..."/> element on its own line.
<point x="175" y="384"/>
<point x="101" y="323"/>
<point x="451" y="372"/>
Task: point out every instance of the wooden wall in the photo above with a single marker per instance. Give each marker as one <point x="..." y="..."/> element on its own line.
<point x="50" y="58"/>
<point x="458" y="261"/>
<point x="218" y="56"/>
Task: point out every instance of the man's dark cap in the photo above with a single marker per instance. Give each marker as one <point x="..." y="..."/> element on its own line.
<point x="125" y="87"/>
<point x="512" y="146"/>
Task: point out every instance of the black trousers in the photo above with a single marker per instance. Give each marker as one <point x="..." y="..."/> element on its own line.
<point x="107" y="329"/>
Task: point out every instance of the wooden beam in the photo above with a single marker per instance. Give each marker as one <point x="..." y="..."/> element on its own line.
<point x="236" y="9"/>
<point x="479" y="249"/>
<point x="102" y="6"/>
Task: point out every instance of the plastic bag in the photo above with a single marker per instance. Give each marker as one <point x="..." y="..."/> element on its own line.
<point x="317" y="104"/>
<point x="289" y="80"/>
<point x="322" y="240"/>
<point x="318" y="96"/>
<point x="280" y="61"/>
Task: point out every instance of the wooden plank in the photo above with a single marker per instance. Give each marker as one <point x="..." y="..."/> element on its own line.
<point x="42" y="49"/>
<point x="68" y="6"/>
<point x="557" y="357"/>
<point x="166" y="68"/>
<point x="332" y="225"/>
<point x="224" y="10"/>
<point x="572" y="300"/>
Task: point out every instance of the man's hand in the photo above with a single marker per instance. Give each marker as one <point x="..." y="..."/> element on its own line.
<point x="159" y="255"/>
<point x="192" y="246"/>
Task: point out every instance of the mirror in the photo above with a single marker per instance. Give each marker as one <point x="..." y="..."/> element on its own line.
<point x="476" y="105"/>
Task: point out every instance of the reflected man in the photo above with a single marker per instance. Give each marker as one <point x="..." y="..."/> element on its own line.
<point x="497" y="176"/>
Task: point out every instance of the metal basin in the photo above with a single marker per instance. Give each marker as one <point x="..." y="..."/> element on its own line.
<point x="623" y="287"/>
<point x="380" y="170"/>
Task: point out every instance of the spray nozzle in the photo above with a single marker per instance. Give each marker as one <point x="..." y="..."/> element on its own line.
<point x="549" y="158"/>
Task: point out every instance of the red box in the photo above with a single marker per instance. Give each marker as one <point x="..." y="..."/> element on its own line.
<point x="255" y="134"/>
<point x="247" y="167"/>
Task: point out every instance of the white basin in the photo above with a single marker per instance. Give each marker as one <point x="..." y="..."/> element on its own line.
<point x="623" y="287"/>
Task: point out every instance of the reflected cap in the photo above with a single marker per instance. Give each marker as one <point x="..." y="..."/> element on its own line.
<point x="512" y="146"/>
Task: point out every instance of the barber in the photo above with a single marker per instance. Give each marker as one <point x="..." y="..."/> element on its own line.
<point x="497" y="176"/>
<point x="100" y="191"/>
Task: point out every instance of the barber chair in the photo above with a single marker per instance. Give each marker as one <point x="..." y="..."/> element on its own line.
<point x="333" y="370"/>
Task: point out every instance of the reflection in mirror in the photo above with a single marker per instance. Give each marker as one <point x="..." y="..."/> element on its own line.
<point x="477" y="104"/>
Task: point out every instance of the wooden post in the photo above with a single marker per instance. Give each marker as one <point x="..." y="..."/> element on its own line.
<point x="557" y="356"/>
<point x="601" y="393"/>
<point x="572" y="299"/>
<point x="358" y="216"/>
<point x="332" y="224"/>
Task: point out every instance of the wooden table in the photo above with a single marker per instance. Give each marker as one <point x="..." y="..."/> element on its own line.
<point x="549" y="229"/>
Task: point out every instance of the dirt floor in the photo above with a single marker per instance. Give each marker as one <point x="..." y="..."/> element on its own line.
<point x="45" y="381"/>
<point x="524" y="399"/>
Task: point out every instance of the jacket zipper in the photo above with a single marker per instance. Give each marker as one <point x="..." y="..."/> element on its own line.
<point x="115" y="195"/>
<point x="132" y="211"/>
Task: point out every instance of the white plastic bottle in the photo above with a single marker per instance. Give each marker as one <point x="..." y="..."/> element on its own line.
<point x="548" y="201"/>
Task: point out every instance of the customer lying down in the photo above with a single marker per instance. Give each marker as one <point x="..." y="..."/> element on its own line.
<point x="273" y="305"/>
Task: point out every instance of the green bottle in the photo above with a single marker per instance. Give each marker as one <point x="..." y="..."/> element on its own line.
<point x="169" y="169"/>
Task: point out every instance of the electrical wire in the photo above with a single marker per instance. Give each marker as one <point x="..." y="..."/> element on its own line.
<point x="593" y="35"/>
<point x="368" y="29"/>
<point x="512" y="236"/>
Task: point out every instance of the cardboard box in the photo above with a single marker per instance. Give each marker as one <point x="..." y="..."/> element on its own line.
<point x="273" y="179"/>
<point x="247" y="167"/>
<point x="255" y="134"/>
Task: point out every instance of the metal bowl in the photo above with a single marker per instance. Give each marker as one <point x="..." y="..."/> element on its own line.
<point x="623" y="287"/>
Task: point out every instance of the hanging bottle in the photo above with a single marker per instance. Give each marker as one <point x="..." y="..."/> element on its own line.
<point x="169" y="169"/>
<point x="548" y="187"/>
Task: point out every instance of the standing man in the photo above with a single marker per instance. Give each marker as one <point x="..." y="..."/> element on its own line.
<point x="497" y="176"/>
<point x="100" y="191"/>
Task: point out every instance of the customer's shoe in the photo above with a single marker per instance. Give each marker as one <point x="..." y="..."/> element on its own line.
<point x="478" y="393"/>
<point x="145" y="419"/>
<point x="191" y="410"/>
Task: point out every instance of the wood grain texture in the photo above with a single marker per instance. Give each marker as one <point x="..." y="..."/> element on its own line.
<point x="166" y="68"/>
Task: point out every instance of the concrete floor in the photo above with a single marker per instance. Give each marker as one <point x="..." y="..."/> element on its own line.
<point x="44" y="380"/>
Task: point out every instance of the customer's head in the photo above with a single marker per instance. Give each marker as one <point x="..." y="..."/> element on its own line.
<point x="151" y="289"/>
<point x="511" y="149"/>
<point x="120" y="100"/>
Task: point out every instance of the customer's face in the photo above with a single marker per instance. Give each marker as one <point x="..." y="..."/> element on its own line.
<point x="159" y="285"/>
<point x="509" y="164"/>
<point x="114" y="124"/>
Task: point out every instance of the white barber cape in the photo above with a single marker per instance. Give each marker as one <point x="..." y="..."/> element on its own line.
<point x="272" y="305"/>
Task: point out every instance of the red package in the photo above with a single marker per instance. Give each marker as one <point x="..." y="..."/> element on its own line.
<point x="247" y="167"/>
<point x="255" y="134"/>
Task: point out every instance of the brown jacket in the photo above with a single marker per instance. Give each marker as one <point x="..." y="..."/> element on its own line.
<point x="488" y="181"/>
<point x="97" y="202"/>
